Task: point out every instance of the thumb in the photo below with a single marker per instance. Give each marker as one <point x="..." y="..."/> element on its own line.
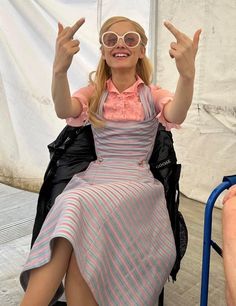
<point x="60" y="27"/>
<point x="196" y="38"/>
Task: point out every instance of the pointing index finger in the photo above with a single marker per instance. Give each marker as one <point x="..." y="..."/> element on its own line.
<point x="172" y="29"/>
<point x="76" y="26"/>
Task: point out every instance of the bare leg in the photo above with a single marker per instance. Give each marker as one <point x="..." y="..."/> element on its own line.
<point x="77" y="291"/>
<point x="44" y="281"/>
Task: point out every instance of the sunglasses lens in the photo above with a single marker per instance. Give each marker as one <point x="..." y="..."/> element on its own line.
<point x="132" y="39"/>
<point x="110" y="39"/>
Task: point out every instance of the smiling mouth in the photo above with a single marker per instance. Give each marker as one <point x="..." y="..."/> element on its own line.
<point x="120" y="55"/>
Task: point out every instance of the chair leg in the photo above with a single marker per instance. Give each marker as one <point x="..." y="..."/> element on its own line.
<point x="161" y="298"/>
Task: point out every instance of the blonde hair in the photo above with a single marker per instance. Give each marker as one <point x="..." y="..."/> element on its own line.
<point x="103" y="72"/>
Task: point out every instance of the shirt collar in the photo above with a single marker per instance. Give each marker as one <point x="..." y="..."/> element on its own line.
<point x="132" y="89"/>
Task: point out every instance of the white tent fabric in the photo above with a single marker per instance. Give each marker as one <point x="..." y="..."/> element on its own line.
<point x="206" y="144"/>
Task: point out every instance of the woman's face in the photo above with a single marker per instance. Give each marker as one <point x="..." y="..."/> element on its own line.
<point x="121" y="56"/>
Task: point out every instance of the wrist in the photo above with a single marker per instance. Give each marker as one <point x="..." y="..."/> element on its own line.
<point x="58" y="73"/>
<point x="187" y="79"/>
<point x="188" y="75"/>
<point x="58" y="70"/>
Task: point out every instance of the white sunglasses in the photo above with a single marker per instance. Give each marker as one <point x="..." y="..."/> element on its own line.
<point x="131" y="39"/>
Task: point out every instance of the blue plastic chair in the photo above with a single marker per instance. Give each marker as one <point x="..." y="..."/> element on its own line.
<point x="227" y="182"/>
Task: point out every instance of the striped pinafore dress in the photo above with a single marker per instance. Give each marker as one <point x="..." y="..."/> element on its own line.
<point x="115" y="216"/>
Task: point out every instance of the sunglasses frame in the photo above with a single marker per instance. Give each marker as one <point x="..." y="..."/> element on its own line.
<point x="120" y="37"/>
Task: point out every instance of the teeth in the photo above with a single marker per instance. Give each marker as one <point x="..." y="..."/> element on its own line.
<point x="121" y="55"/>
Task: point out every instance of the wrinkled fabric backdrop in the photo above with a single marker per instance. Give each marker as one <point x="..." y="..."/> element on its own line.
<point x="206" y="143"/>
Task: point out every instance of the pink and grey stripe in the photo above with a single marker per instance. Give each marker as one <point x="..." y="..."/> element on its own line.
<point x="115" y="216"/>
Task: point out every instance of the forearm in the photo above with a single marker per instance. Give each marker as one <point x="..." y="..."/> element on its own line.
<point x="176" y="110"/>
<point x="62" y="97"/>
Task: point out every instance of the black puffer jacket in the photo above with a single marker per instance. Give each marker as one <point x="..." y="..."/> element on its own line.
<point x="72" y="152"/>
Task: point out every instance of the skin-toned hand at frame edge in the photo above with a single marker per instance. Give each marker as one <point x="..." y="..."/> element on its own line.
<point x="229" y="244"/>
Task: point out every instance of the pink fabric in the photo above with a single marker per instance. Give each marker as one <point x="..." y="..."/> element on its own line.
<point x="123" y="106"/>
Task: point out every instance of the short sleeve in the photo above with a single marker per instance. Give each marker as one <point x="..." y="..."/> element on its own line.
<point x="161" y="98"/>
<point x="83" y="95"/>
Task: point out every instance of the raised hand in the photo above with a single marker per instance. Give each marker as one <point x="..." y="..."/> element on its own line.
<point x="184" y="51"/>
<point x="66" y="46"/>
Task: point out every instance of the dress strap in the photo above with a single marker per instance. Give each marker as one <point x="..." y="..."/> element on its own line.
<point x="147" y="100"/>
<point x="101" y="102"/>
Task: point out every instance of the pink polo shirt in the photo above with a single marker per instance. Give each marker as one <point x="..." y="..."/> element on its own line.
<point x="124" y="106"/>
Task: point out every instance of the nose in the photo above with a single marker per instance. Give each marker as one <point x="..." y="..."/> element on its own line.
<point x="120" y="42"/>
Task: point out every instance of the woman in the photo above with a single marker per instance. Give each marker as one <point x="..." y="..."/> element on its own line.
<point x="109" y="232"/>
